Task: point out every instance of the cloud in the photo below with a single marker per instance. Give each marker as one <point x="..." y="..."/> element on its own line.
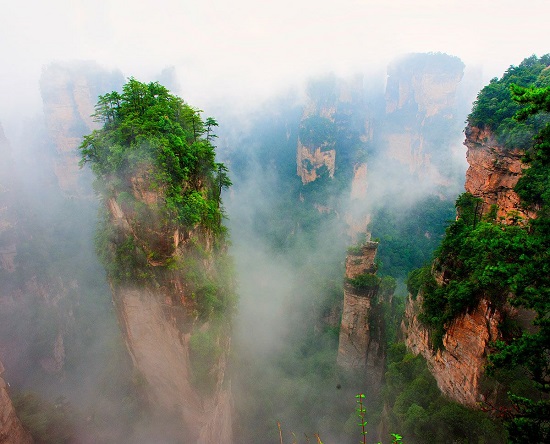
<point x="244" y="50"/>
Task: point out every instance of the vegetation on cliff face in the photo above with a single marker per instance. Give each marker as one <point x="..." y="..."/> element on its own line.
<point x="421" y="413"/>
<point x="154" y="159"/>
<point x="494" y="110"/>
<point x="504" y="261"/>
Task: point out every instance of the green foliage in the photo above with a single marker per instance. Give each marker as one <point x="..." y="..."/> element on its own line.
<point x="317" y="131"/>
<point x="418" y="409"/>
<point x="361" y="410"/>
<point x="476" y="259"/>
<point x="495" y="109"/>
<point x="365" y="281"/>
<point x="47" y="422"/>
<point x="154" y="145"/>
<point x="355" y="250"/>
<point x="147" y="127"/>
<point x="408" y="236"/>
<point x="484" y="258"/>
<point x="416" y="278"/>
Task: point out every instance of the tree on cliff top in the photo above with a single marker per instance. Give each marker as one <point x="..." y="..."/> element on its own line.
<point x="494" y="108"/>
<point x="146" y="125"/>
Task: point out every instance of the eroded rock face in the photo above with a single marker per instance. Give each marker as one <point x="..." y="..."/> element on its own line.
<point x="158" y="317"/>
<point x="361" y="342"/>
<point x="421" y="106"/>
<point x="69" y="93"/>
<point x="157" y="333"/>
<point x="425" y="83"/>
<point x="311" y="160"/>
<point x="458" y="367"/>
<point x="11" y="429"/>
<point x="493" y="172"/>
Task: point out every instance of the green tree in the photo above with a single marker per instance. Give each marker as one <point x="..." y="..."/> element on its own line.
<point x="530" y="421"/>
<point x="146" y="127"/>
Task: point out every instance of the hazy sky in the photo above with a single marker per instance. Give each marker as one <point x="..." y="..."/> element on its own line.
<point x="248" y="49"/>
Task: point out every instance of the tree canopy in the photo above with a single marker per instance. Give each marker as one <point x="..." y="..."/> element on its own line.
<point x="495" y="110"/>
<point x="147" y="127"/>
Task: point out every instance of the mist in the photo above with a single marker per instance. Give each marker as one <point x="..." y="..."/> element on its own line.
<point x="251" y="66"/>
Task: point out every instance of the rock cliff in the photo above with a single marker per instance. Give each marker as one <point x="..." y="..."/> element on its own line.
<point x="162" y="242"/>
<point x="426" y="83"/>
<point x="421" y="108"/>
<point x="159" y="320"/>
<point x="11" y="429"/>
<point x="310" y="159"/>
<point x="361" y="344"/>
<point x="69" y="92"/>
<point x="459" y="366"/>
<point x="493" y="172"/>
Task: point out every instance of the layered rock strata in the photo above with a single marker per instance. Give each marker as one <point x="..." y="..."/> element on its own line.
<point x="158" y="316"/>
<point x="361" y="342"/>
<point x="457" y="367"/>
<point x="493" y="173"/>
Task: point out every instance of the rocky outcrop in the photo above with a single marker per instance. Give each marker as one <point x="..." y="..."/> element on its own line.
<point x="11" y="429"/>
<point x="425" y="82"/>
<point x="493" y="173"/>
<point x="180" y="355"/>
<point x="459" y="365"/>
<point x="157" y="331"/>
<point x="361" y="342"/>
<point x="69" y="93"/>
<point x="421" y="110"/>
<point x="311" y="160"/>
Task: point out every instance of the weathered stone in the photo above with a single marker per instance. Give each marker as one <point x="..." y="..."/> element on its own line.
<point x="309" y="161"/>
<point x="361" y="342"/>
<point x="457" y="367"/>
<point x="493" y="173"/>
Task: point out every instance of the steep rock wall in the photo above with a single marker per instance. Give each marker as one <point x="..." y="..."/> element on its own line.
<point x="421" y="109"/>
<point x="157" y="333"/>
<point x="310" y="160"/>
<point x="361" y="341"/>
<point x="11" y="429"/>
<point x="493" y="172"/>
<point x="430" y="88"/>
<point x="158" y="319"/>
<point x="457" y="367"/>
